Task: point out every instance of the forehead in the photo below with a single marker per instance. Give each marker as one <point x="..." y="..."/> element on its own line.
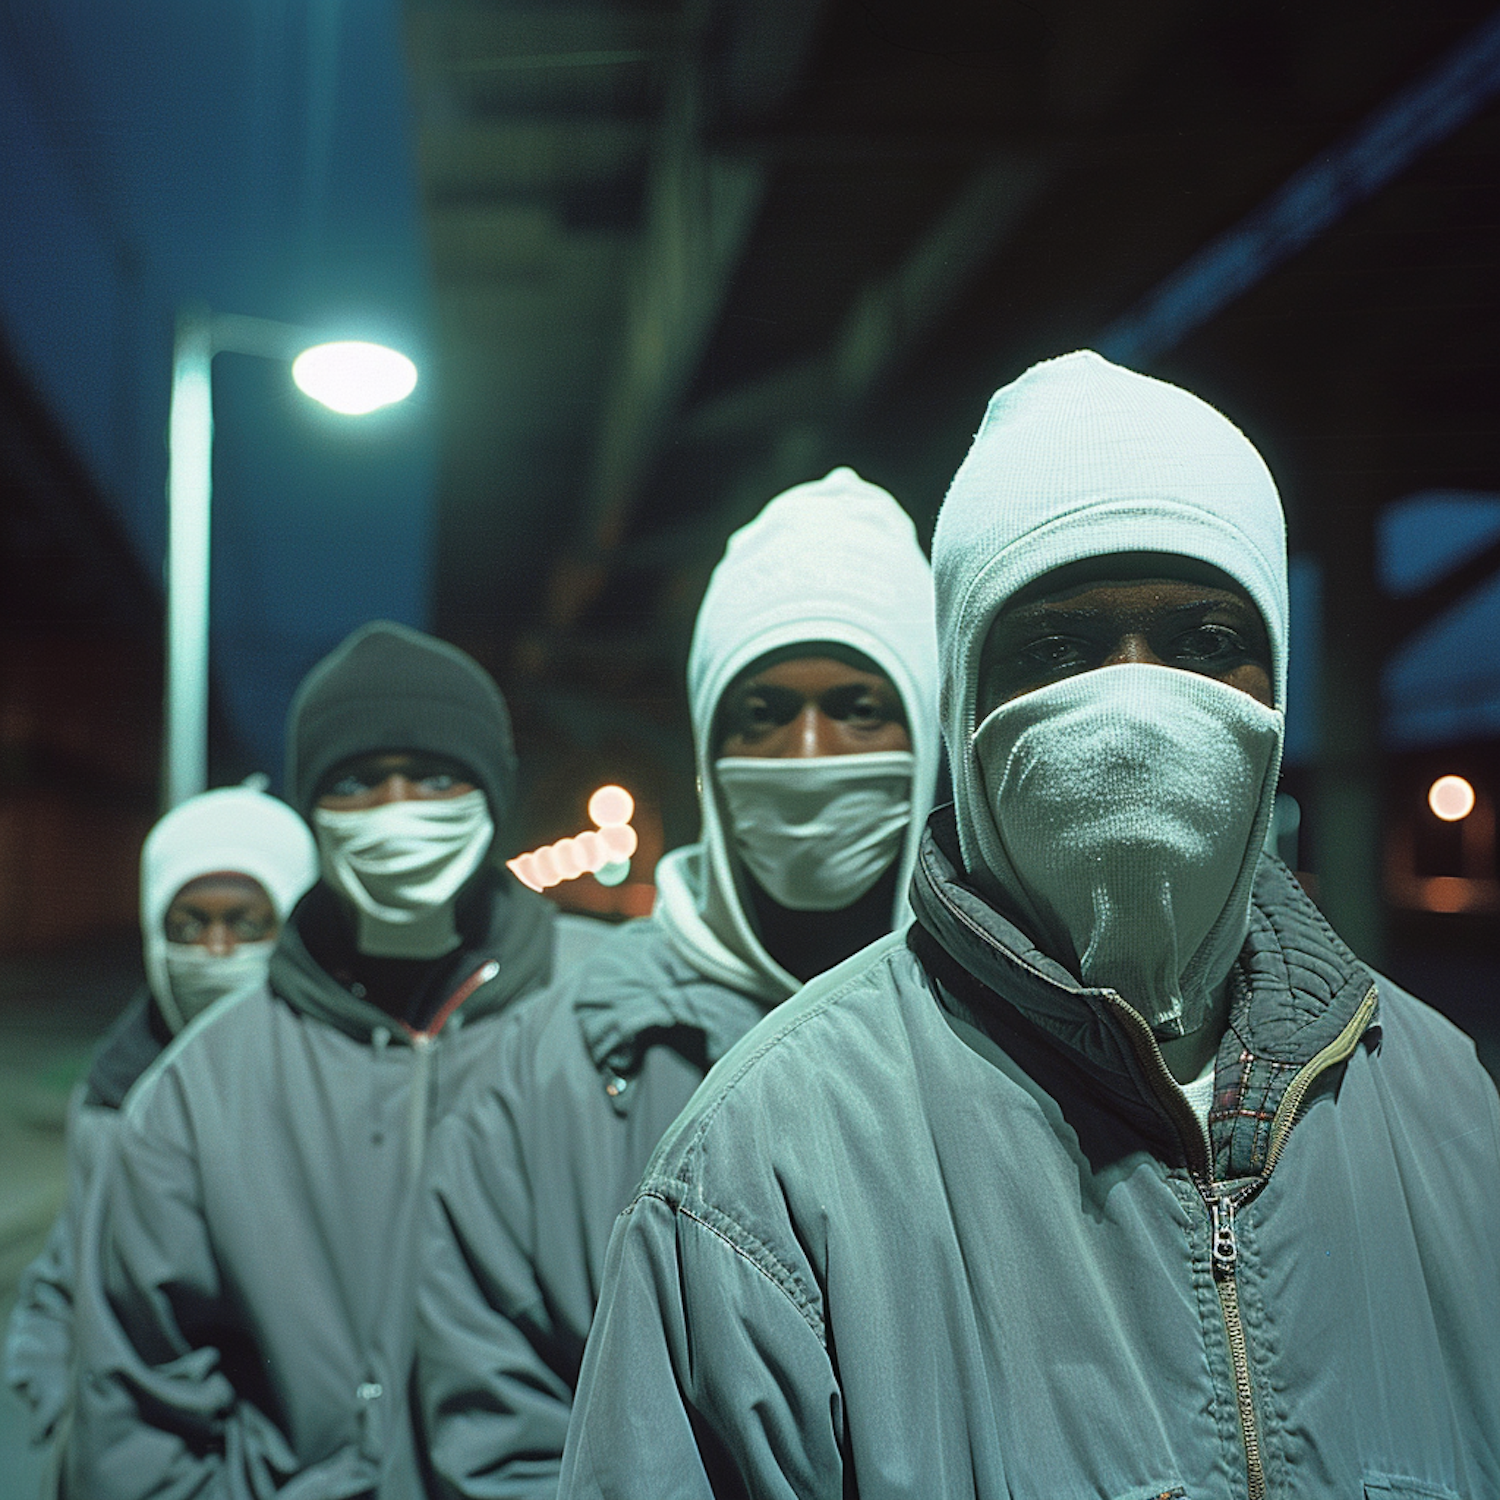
<point x="220" y="886"/>
<point x="1123" y="569"/>
<point x="809" y="675"/>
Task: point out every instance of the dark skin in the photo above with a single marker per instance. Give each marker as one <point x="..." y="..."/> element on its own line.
<point x="811" y="705"/>
<point x="394" y="776"/>
<point x="1144" y="608"/>
<point x="814" y="706"/>
<point x="1102" y="614"/>
<point x="219" y="911"/>
<point x="367" y="781"/>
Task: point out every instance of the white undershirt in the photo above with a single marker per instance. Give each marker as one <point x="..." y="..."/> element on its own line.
<point x="1200" y="1092"/>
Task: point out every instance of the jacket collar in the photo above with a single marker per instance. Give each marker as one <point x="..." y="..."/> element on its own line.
<point x="506" y="951"/>
<point x="1297" y="987"/>
<point x="638" y="988"/>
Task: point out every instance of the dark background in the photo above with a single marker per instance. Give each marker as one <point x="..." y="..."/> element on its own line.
<point x="659" y="260"/>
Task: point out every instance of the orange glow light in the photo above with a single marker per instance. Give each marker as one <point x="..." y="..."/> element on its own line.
<point x="603" y="850"/>
<point x="1451" y="798"/>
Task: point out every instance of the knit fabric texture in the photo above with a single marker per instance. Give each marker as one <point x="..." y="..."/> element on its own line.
<point x="833" y="561"/>
<point x="388" y="688"/>
<point x="230" y="829"/>
<point x="1080" y="458"/>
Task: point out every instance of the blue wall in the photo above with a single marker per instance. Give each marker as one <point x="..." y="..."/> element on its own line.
<point x="253" y="155"/>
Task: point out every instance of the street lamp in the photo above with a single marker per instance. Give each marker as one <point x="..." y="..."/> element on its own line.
<point x="348" y="377"/>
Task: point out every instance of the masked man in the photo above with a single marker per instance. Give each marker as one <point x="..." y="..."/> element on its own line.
<point x="1119" y="1175"/>
<point x="219" y="875"/>
<point x="245" y="1289"/>
<point x="811" y="679"/>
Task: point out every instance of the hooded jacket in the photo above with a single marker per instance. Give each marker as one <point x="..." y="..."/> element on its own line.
<point x="943" y="1226"/>
<point x="532" y="1169"/>
<point x="230" y="828"/>
<point x="946" y="1225"/>
<point x="245" y="1275"/>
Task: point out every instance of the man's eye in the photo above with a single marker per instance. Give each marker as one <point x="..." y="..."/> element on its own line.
<point x="439" y="781"/>
<point x="250" y="929"/>
<point x="1209" y="643"/>
<point x="1051" y="653"/>
<point x="348" y="786"/>
<point x="758" y="712"/>
<point x="184" y="930"/>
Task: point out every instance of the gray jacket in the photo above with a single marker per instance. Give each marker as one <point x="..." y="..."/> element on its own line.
<point x="527" y="1178"/>
<point x="39" y="1337"/>
<point x="245" y="1271"/>
<point x="943" y="1225"/>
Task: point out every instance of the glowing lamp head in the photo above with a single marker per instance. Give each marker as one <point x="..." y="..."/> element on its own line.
<point x="354" y="378"/>
<point x="1451" y="798"/>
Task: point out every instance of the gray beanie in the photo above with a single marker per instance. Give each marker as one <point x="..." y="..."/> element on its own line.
<point x="388" y="688"/>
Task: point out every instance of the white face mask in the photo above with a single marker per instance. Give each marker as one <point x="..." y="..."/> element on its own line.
<point x="1126" y="809"/>
<point x="817" y="832"/>
<point x="197" y="977"/>
<point x="401" y="864"/>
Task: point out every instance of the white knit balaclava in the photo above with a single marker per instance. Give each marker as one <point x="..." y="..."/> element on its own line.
<point x="835" y="560"/>
<point x="231" y="830"/>
<point x="1140" y="793"/>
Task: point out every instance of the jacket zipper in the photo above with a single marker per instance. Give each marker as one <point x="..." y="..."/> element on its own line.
<point x="1224" y="1247"/>
<point x="421" y="1081"/>
<point x="1224" y="1256"/>
<point x="1222" y="1207"/>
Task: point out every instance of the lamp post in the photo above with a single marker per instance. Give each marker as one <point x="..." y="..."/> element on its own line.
<point x="351" y="378"/>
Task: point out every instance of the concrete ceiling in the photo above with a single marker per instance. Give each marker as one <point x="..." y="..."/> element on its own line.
<point x="690" y="251"/>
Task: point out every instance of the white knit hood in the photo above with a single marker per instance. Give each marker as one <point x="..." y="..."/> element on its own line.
<point x="229" y="829"/>
<point x="833" y="560"/>
<point x="1079" y="459"/>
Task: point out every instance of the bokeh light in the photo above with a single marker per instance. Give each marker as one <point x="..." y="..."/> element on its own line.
<point x="619" y="840"/>
<point x="603" y="851"/>
<point x="568" y="858"/>
<point x="611" y="806"/>
<point x="1451" y="798"/>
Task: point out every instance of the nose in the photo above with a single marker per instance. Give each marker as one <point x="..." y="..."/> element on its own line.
<point x="1133" y="647"/>
<point x="219" y="939"/>
<point x="814" y="733"/>
<point x="395" y="788"/>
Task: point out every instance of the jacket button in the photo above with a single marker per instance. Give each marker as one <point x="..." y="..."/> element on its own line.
<point x="369" y="1390"/>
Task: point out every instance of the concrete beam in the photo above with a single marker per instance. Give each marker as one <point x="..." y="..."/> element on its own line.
<point x="805" y="405"/>
<point x="700" y="208"/>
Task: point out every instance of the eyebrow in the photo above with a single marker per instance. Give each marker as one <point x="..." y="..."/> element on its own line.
<point x="1040" y="611"/>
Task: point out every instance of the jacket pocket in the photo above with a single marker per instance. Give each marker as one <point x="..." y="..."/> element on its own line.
<point x="1399" y="1487"/>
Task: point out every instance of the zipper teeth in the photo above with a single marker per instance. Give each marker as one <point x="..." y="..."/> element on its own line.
<point x="1239" y="1354"/>
<point x="1337" y="1051"/>
<point x="1148" y="1054"/>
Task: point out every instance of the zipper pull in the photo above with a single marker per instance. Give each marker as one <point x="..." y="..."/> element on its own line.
<point x="1224" y="1250"/>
